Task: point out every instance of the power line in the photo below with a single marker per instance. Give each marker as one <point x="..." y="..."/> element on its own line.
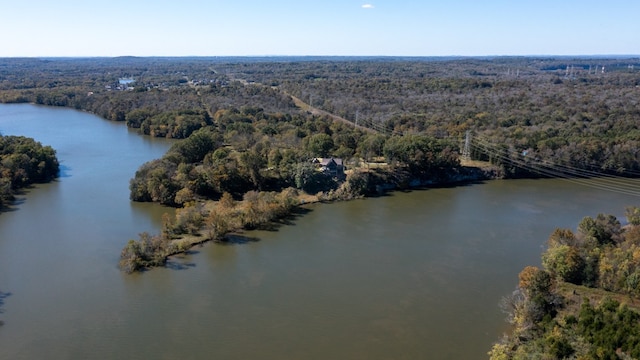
<point x="588" y="178"/>
<point x="574" y="170"/>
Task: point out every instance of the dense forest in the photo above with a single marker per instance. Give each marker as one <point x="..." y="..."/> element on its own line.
<point x="583" y="304"/>
<point x="24" y="161"/>
<point x="577" y="112"/>
<point x="339" y="128"/>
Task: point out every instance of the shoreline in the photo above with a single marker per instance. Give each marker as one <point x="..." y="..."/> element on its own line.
<point x="222" y="223"/>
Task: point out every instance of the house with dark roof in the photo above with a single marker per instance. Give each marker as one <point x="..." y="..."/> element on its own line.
<point x="331" y="166"/>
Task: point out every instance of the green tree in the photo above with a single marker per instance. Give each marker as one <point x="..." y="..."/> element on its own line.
<point x="154" y="182"/>
<point x="310" y="180"/>
<point x="606" y="229"/>
<point x="536" y="285"/>
<point x="632" y="283"/>
<point x="136" y="117"/>
<point x="251" y="163"/>
<point x="320" y="145"/>
<point x="633" y="215"/>
<point x="423" y="155"/>
<point x="561" y="237"/>
<point x="371" y="145"/>
<point x="194" y="148"/>
<point x="184" y="196"/>
<point x="564" y="262"/>
<point x="357" y="184"/>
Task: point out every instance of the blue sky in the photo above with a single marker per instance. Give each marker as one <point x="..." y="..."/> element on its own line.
<point x="328" y="27"/>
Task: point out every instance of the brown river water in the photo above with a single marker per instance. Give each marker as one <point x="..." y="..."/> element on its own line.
<point x="411" y="275"/>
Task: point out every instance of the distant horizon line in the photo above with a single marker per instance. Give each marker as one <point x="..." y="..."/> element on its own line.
<point x="611" y="56"/>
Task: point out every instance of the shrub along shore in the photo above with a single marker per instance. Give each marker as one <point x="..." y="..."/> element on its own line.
<point x="199" y="222"/>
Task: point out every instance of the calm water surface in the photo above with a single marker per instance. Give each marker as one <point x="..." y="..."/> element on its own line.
<point x="414" y="275"/>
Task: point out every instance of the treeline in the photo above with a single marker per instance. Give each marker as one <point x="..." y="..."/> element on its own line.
<point x="582" y="304"/>
<point x="24" y="161"/>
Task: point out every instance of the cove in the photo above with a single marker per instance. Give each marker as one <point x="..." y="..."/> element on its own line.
<point x="406" y="276"/>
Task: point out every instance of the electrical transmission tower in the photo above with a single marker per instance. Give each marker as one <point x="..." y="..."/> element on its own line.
<point x="466" y="151"/>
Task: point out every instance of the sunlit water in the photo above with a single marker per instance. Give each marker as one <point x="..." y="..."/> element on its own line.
<point x="414" y="275"/>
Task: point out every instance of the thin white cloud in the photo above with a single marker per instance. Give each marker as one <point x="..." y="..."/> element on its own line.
<point x="368" y="6"/>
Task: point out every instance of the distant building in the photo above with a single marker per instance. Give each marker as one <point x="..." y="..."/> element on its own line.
<point x="125" y="81"/>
